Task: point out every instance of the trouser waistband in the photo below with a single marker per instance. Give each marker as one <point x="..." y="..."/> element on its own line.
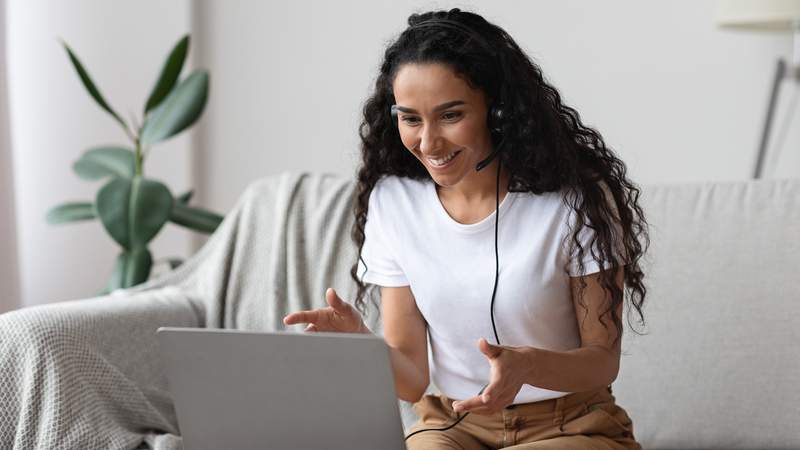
<point x="553" y="404"/>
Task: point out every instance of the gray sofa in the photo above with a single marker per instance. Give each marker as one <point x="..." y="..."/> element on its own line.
<point x="718" y="368"/>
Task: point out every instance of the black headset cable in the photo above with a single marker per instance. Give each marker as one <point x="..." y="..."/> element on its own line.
<point x="494" y="291"/>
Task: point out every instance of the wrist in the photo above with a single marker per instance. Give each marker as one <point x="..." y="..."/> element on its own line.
<point x="532" y="357"/>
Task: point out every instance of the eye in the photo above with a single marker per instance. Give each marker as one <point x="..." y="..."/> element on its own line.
<point x="409" y="119"/>
<point x="450" y="116"/>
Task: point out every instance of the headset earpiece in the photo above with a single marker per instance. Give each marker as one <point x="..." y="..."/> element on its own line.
<point x="495" y="118"/>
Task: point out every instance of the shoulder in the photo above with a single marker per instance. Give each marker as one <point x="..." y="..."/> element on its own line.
<point x="599" y="207"/>
<point x="395" y="197"/>
<point x="396" y="188"/>
<point x="603" y="195"/>
<point x="601" y="189"/>
<point x="552" y="201"/>
<point x="393" y="183"/>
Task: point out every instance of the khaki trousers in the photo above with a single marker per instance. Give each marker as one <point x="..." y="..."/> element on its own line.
<point x="580" y="420"/>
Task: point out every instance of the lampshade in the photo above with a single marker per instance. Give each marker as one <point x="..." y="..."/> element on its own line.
<point x="759" y="14"/>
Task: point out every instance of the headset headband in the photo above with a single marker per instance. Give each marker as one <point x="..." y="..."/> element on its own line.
<point x="454" y="25"/>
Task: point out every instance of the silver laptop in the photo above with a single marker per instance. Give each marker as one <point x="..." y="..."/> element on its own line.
<point x="283" y="391"/>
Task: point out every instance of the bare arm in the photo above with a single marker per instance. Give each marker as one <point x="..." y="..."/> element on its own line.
<point x="596" y="363"/>
<point x="406" y="334"/>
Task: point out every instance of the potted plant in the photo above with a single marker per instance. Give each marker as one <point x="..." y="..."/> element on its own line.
<point x="132" y="207"/>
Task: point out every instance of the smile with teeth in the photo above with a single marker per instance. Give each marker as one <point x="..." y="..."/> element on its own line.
<point x="443" y="161"/>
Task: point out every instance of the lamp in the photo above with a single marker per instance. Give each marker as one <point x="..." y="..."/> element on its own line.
<point x="766" y="15"/>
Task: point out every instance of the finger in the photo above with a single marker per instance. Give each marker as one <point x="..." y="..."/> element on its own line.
<point x="301" y="317"/>
<point x="468" y="404"/>
<point x="492" y="389"/>
<point x="311" y="328"/>
<point x="483" y="410"/>
<point x="334" y="300"/>
<point x="490" y="407"/>
<point x="491" y="351"/>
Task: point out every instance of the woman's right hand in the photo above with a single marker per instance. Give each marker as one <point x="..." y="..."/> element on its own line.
<point x="339" y="317"/>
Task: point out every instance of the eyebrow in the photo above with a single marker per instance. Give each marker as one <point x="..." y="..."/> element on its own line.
<point x="438" y="108"/>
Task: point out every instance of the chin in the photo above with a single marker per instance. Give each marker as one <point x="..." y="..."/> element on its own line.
<point x="446" y="180"/>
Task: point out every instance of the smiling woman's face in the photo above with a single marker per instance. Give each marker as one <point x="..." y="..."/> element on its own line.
<point x="439" y="115"/>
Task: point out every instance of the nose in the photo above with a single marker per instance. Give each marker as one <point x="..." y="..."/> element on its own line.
<point x="429" y="138"/>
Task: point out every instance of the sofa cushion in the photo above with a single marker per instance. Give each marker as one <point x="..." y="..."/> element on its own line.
<point x="720" y="366"/>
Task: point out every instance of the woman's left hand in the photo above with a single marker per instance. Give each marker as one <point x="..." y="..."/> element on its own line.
<point x="509" y="371"/>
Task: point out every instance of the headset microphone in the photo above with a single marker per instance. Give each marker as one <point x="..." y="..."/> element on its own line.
<point x="486" y="161"/>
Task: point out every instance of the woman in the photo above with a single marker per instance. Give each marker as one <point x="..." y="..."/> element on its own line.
<point x="463" y="135"/>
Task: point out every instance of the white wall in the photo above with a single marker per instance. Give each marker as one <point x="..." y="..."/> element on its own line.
<point x="122" y="44"/>
<point x="9" y="275"/>
<point x="677" y="98"/>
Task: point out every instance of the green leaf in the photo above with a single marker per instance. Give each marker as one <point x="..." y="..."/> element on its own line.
<point x="89" y="84"/>
<point x="133" y="210"/>
<point x="101" y="162"/>
<point x="169" y="74"/>
<point x="138" y="269"/>
<point x="70" y="212"/>
<point x="178" y="111"/>
<point x="195" y="218"/>
<point x="132" y="267"/>
<point x="185" y="197"/>
<point x="112" y="207"/>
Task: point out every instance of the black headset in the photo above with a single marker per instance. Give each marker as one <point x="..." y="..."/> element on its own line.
<point x="496" y="119"/>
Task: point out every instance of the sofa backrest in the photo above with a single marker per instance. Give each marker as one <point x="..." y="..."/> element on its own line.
<point x="720" y="365"/>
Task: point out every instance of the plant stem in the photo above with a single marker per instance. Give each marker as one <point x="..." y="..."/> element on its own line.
<point x="139" y="158"/>
<point x="140" y="152"/>
<point x="127" y="130"/>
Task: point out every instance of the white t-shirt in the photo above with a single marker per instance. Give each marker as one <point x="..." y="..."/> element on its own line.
<point x="411" y="240"/>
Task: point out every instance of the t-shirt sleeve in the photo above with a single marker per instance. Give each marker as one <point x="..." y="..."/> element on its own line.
<point x="592" y="262"/>
<point x="377" y="252"/>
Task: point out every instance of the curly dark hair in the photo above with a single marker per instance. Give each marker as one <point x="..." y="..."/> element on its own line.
<point x="547" y="148"/>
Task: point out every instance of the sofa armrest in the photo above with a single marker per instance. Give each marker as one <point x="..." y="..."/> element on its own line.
<point x="86" y="373"/>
